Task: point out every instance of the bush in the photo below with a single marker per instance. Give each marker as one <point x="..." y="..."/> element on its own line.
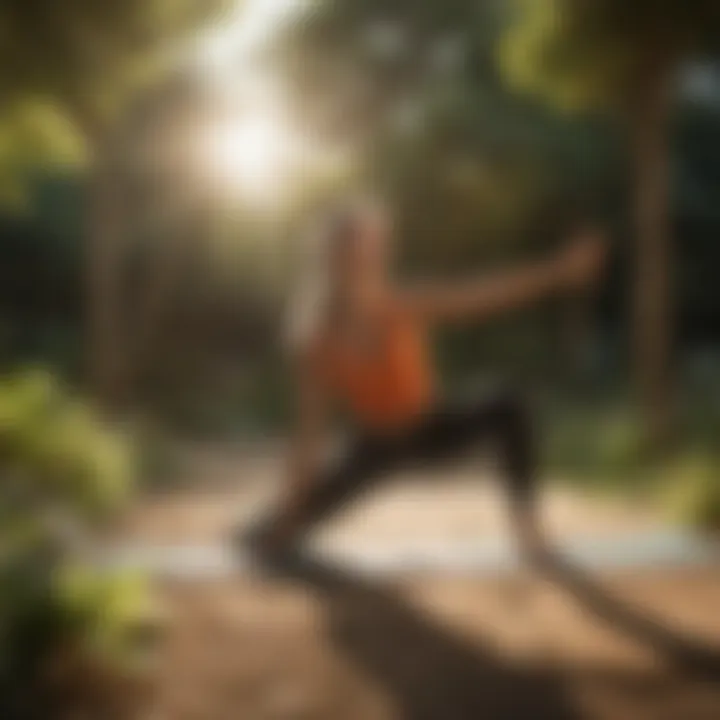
<point x="596" y="444"/>
<point x="692" y="490"/>
<point x="64" y="623"/>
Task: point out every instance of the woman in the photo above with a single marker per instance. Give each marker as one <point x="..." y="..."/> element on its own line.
<point x="360" y="342"/>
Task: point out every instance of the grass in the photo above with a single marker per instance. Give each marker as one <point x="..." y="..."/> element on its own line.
<point x="598" y="444"/>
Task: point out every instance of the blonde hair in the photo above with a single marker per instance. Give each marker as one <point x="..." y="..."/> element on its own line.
<point x="309" y="305"/>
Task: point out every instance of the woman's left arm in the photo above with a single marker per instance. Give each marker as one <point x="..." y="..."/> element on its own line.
<point x="575" y="268"/>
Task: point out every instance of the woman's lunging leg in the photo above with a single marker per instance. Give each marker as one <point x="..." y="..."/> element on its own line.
<point x="302" y="509"/>
<point x="504" y="421"/>
<point x="516" y="441"/>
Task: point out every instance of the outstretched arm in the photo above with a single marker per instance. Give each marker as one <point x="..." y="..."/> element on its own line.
<point x="574" y="268"/>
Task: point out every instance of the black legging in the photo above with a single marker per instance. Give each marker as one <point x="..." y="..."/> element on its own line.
<point x="442" y="434"/>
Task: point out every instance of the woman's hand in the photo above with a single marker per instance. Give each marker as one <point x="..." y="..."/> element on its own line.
<point x="579" y="265"/>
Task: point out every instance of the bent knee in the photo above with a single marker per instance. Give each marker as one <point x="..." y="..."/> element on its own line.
<point x="511" y="410"/>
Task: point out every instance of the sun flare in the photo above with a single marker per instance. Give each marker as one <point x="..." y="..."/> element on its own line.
<point x="253" y="155"/>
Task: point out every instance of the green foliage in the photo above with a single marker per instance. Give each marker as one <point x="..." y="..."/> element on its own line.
<point x="691" y="490"/>
<point x="61" y="470"/>
<point x="597" y="443"/>
<point x="597" y="54"/>
<point x="34" y="133"/>
<point x="84" y="53"/>
<point x="58" y="446"/>
<point x="110" y="613"/>
<point x="72" y="67"/>
<point x="546" y="53"/>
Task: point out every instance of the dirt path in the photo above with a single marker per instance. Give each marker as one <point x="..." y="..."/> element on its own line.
<point x="426" y="649"/>
<point x="335" y="645"/>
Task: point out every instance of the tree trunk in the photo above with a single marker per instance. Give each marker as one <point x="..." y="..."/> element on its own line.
<point x="103" y="351"/>
<point x="165" y="276"/>
<point x="105" y="363"/>
<point x="653" y="316"/>
<point x="577" y="330"/>
<point x="106" y="341"/>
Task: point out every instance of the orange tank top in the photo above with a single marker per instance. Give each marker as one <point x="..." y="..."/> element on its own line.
<point x="389" y="387"/>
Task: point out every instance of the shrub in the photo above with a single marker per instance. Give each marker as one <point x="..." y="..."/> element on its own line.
<point x="600" y="445"/>
<point x="64" y="623"/>
<point x="692" y="490"/>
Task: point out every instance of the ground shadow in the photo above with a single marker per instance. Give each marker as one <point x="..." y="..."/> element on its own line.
<point x="433" y="673"/>
<point x="685" y="653"/>
<point x="430" y="672"/>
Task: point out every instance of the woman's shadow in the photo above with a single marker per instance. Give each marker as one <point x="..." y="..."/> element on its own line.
<point x="433" y="673"/>
<point x="429" y="671"/>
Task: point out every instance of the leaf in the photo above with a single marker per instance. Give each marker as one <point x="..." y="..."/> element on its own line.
<point x="593" y="54"/>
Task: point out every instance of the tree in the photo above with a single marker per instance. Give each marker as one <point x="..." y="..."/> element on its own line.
<point x="624" y="57"/>
<point x="79" y="62"/>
